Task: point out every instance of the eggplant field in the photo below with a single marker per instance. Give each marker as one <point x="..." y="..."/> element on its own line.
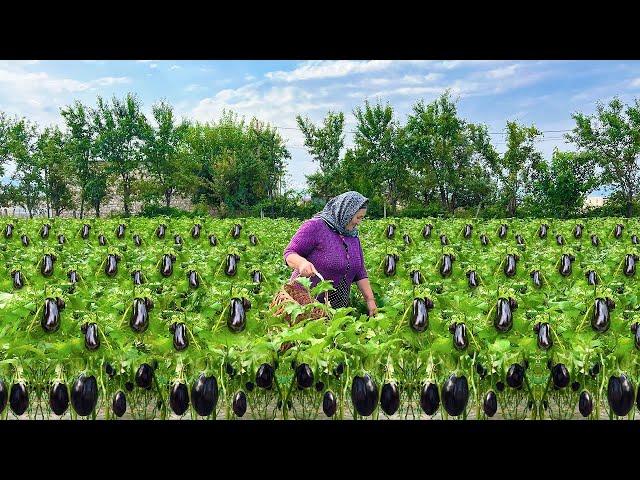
<point x="172" y="318"/>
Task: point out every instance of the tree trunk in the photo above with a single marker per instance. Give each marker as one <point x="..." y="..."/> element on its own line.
<point x="167" y="197"/>
<point x="126" y="195"/>
<point x="512" y="206"/>
<point x="97" y="207"/>
<point x="629" y="205"/>
<point x="81" y="206"/>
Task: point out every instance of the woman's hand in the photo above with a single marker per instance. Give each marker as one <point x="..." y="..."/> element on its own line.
<point x="306" y="269"/>
<point x="372" y="307"/>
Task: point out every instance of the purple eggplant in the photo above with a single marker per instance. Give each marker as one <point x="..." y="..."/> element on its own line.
<point x="419" y="320"/>
<point x="18" y="279"/>
<point x="542" y="231"/>
<point x="510" y="265"/>
<point x="426" y="231"/>
<point x="601" y="318"/>
<point x="472" y="279"/>
<point x="565" y="264"/>
<point x="630" y="260"/>
<point x="390" y="264"/>
<point x="231" y="264"/>
<point x="166" y="265"/>
<point x="161" y="230"/>
<point x="111" y="266"/>
<point x="503" y="319"/>
<point x="84" y="231"/>
<point x="446" y="264"/>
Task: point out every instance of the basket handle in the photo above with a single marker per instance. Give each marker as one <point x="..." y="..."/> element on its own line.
<point x="326" y="294"/>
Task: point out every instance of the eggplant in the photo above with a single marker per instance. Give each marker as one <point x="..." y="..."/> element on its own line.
<point x="195" y="230"/>
<point x="510" y="265"/>
<point x="84" y="395"/>
<point x="180" y="338"/>
<point x="460" y="341"/>
<point x="503" y="320"/>
<point x="444" y="240"/>
<point x="577" y="231"/>
<point x="84" y="231"/>
<point x="542" y="231"/>
<point x="111" y="266"/>
<point x="139" y="321"/>
<point x="390" y="231"/>
<point x="618" y="230"/>
<point x="144" y="376"/>
<point x="426" y="231"/>
<point x="237" y="319"/>
<point x="419" y="320"/>
<point x="204" y="395"/>
<point x="455" y="394"/>
<point x="636" y="332"/>
<point x="18" y="279"/>
<point x="120" y="230"/>
<point x="595" y="241"/>
<point x="620" y="395"/>
<point x="601" y="318"/>
<point x="407" y="239"/>
<point x="102" y="241"/>
<point x="490" y="404"/>
<point x="239" y="405"/>
<point x="519" y="239"/>
<point x="50" y="321"/>
<point x="468" y="229"/>
<point x="585" y="404"/>
<point x="559" y="239"/>
<point x="364" y="394"/>
<point x="592" y="277"/>
<point x="429" y="398"/>
<point x="630" y="260"/>
<point x="634" y="240"/>
<point x="213" y="241"/>
<point x="390" y="264"/>
<point x="59" y="398"/>
<point x="166" y="265"/>
<point x="177" y="239"/>
<point x="560" y="375"/>
<point x="138" y="279"/>
<point x="304" y="376"/>
<point x="179" y="398"/>
<point x="47" y="265"/>
<point x="8" y="231"/>
<point x="390" y="398"/>
<point x="536" y="278"/>
<point x="446" y="264"/>
<point x="502" y="231"/>
<point x="193" y="278"/>
<point x="235" y="231"/>
<point x="72" y="275"/>
<point x="515" y="376"/>
<point x="329" y="404"/>
<point x="416" y="277"/>
<point x="544" y="335"/>
<point x="3" y="396"/>
<point x="19" y="398"/>
<point x="161" y="230"/>
<point x="44" y="231"/>
<point x="231" y="264"/>
<point x="25" y="240"/>
<point x="137" y="240"/>
<point x="484" y="240"/>
<point x="264" y="376"/>
<point x="253" y="240"/>
<point x="565" y="264"/>
<point x="61" y="239"/>
<point x="119" y="404"/>
<point x="92" y="337"/>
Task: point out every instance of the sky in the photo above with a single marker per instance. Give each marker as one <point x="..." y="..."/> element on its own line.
<point x="542" y="93"/>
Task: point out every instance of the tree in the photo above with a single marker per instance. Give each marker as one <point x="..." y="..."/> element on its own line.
<point x="54" y="166"/>
<point x="613" y="135"/>
<point x="27" y="182"/>
<point x="5" y="128"/>
<point x="516" y="167"/>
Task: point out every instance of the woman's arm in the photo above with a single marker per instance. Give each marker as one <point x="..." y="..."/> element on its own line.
<point x="367" y="293"/>
<point x="304" y="266"/>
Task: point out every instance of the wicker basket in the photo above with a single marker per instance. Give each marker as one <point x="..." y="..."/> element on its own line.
<point x="285" y="297"/>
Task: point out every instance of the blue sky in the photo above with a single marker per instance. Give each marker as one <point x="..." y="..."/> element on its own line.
<point x="544" y="93"/>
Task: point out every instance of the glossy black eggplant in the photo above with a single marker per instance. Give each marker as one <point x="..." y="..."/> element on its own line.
<point x="630" y="260"/>
<point x="264" y="376"/>
<point x="455" y="394"/>
<point x="390" y="231"/>
<point x="18" y="279"/>
<point x="257" y="277"/>
<point x="61" y="239"/>
<point x="120" y="230"/>
<point x="503" y="319"/>
<point x="426" y="231"/>
<point x="84" y="231"/>
<point x="72" y="275"/>
<point x="407" y="239"/>
<point x="364" y="394"/>
<point x="585" y="403"/>
<point x="166" y="265"/>
<point x="46" y="267"/>
<point x="3" y="396"/>
<point x="430" y="398"/>
<point x="542" y="231"/>
<point x="193" y="278"/>
<point x="139" y="320"/>
<point x="44" y="231"/>
<point x="595" y="241"/>
<point x="636" y="334"/>
<point x="239" y="404"/>
<point x="204" y="395"/>
<point x="19" y="398"/>
<point x="231" y="264"/>
<point x="577" y="231"/>
<point x="137" y="241"/>
<point x="617" y="231"/>
<point x="59" y="398"/>
<point x="92" y="337"/>
<point x="559" y="239"/>
<point x="446" y="264"/>
<point x="177" y="239"/>
<point x="180" y="338"/>
<point x="253" y="240"/>
<point x="620" y="394"/>
<point x="179" y="398"/>
<point x="137" y="276"/>
<point x="519" y="239"/>
<point x="536" y="278"/>
<point x="237" y="319"/>
<point x="510" y="265"/>
<point x="84" y="395"/>
<point x="119" y="404"/>
<point x="8" y="230"/>
<point x="144" y="376"/>
<point x="444" y="240"/>
<point x="390" y="398"/>
<point x="565" y="264"/>
<point x="329" y="403"/>
<point x="213" y="241"/>
<point x="161" y="230"/>
<point x="515" y="375"/>
<point x="460" y="341"/>
<point x="50" y="321"/>
<point x="634" y="240"/>
<point x="195" y="230"/>
<point x="472" y="279"/>
<point x="592" y="277"/>
<point x="419" y="320"/>
<point x="490" y="404"/>
<point x="560" y="375"/>
<point x="484" y="240"/>
<point x="25" y="240"/>
<point x="304" y="376"/>
<point x="601" y="317"/>
<point x="102" y="241"/>
<point x="390" y="261"/>
<point x="111" y="265"/>
<point x="502" y="231"/>
<point x="235" y="231"/>
<point x="544" y="335"/>
<point x="468" y="229"/>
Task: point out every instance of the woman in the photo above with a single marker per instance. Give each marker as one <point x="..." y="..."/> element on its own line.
<point x="328" y="243"/>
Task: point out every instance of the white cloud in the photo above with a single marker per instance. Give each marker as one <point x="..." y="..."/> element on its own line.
<point x="193" y="87"/>
<point x="249" y="78"/>
<point x="153" y="65"/>
<point x="635" y="83"/>
<point x="503" y="72"/>
<point x="175" y="67"/>
<point x="144" y="61"/>
<point x="314" y="70"/>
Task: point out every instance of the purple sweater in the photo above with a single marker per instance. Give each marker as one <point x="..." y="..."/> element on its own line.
<point x="323" y="247"/>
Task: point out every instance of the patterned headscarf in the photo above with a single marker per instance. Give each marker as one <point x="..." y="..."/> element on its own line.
<point x="339" y="211"/>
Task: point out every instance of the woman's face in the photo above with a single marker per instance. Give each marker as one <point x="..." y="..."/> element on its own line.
<point x="357" y="218"/>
